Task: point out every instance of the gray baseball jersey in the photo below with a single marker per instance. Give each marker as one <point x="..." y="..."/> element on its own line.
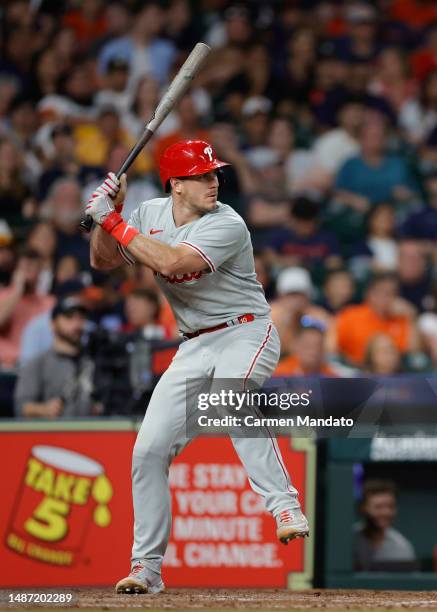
<point x="228" y="288"/>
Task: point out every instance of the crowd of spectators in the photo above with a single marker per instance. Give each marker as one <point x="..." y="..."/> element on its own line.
<point x="327" y="112"/>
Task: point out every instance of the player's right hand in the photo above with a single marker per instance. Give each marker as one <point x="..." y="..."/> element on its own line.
<point x="114" y="188"/>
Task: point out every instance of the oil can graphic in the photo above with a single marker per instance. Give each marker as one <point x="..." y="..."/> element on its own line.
<point x="62" y="495"/>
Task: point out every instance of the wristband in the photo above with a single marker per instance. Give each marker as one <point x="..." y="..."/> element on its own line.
<point x="119" y="229"/>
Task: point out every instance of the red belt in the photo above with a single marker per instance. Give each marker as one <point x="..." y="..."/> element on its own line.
<point x="245" y="318"/>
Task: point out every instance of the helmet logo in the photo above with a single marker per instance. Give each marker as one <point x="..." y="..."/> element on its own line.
<point x="208" y="151"/>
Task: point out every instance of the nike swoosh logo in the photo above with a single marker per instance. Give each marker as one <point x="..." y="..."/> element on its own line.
<point x="155" y="231"/>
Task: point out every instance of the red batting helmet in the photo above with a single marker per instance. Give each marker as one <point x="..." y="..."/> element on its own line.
<point x="188" y="158"/>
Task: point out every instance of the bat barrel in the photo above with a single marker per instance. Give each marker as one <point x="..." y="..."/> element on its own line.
<point x="177" y="89"/>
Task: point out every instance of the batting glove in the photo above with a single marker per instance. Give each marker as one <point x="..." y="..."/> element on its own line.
<point x="99" y="206"/>
<point x="110" y="187"/>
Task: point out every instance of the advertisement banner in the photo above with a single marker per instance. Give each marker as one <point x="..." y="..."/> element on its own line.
<point x="66" y="514"/>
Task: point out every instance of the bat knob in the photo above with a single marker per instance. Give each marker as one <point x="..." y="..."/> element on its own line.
<point x="86" y="224"/>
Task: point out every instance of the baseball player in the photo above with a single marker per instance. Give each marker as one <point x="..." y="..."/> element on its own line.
<point x="201" y="252"/>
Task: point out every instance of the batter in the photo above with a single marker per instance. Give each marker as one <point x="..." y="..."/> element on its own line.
<point x="201" y="253"/>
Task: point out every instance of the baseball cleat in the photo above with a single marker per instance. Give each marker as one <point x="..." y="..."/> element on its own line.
<point x="140" y="580"/>
<point x="291" y="524"/>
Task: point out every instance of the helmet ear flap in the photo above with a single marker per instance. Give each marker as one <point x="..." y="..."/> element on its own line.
<point x="221" y="176"/>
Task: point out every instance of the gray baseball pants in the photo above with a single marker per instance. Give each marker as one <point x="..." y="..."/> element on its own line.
<point x="247" y="351"/>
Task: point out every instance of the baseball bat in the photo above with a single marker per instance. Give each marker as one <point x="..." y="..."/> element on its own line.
<point x="176" y="90"/>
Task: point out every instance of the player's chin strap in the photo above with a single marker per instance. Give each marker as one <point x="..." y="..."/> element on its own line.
<point x="119" y="229"/>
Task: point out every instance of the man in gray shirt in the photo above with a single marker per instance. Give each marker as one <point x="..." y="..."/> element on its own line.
<point x="58" y="383"/>
<point x="377" y="545"/>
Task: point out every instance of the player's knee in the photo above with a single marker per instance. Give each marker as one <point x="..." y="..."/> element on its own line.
<point x="149" y="453"/>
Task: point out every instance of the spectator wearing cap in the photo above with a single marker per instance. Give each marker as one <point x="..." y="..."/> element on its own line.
<point x="373" y="176"/>
<point x="255" y="116"/>
<point x="142" y="48"/>
<point x="114" y="91"/>
<point x="59" y="382"/>
<point x="383" y="311"/>
<point x="294" y="290"/>
<point x="37" y="335"/>
<point x="302" y="242"/>
<point x="19" y="303"/>
<point x="308" y="358"/>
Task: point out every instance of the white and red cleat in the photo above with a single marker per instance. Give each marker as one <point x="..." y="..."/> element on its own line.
<point x="291" y="524"/>
<point x="140" y="580"/>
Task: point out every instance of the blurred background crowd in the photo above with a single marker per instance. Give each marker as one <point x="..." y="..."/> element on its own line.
<point x="327" y="112"/>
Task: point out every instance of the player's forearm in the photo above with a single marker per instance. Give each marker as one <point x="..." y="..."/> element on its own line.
<point x="104" y="253"/>
<point x="161" y="257"/>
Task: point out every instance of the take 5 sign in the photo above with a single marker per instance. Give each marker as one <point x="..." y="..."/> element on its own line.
<point x="61" y="492"/>
<point x="66" y="514"/>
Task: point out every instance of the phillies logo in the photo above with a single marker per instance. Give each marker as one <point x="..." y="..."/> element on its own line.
<point x="182" y="278"/>
<point x="208" y="151"/>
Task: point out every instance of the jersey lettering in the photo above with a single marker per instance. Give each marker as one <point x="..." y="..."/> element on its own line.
<point x="182" y="278"/>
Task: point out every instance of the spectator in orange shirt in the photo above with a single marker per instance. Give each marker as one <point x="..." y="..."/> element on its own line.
<point x="309" y="356"/>
<point x="382" y="312"/>
<point x="18" y="304"/>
